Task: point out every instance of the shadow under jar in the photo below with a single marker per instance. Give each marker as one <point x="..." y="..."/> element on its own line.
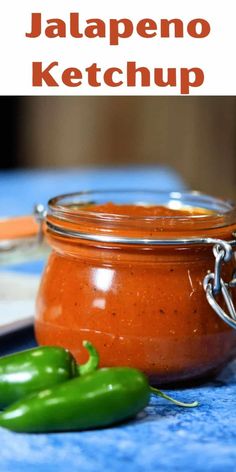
<point x="126" y="272"/>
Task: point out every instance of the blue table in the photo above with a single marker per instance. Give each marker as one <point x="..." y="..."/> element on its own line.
<point x="21" y="190"/>
<point x="163" y="437"/>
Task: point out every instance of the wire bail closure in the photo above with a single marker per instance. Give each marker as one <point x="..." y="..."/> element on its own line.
<point x="214" y="285"/>
<point x="40" y="213"/>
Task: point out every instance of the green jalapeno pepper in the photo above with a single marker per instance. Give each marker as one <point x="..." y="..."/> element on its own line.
<point x="36" y="369"/>
<point x="99" y="399"/>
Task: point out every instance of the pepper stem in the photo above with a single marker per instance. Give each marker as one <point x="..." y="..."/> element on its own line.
<point x="157" y="392"/>
<point x="92" y="362"/>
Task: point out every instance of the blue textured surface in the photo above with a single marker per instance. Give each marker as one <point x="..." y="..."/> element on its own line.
<point x="163" y="437"/>
<point x="21" y="190"/>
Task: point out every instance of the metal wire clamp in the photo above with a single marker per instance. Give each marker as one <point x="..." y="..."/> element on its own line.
<point x="214" y="285"/>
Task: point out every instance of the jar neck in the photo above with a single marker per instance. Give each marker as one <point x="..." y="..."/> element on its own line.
<point x="150" y="224"/>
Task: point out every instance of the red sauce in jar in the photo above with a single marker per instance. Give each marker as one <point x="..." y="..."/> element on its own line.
<point x="142" y="305"/>
<point x="143" y="210"/>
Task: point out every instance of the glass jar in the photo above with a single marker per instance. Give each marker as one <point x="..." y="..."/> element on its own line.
<point x="136" y="286"/>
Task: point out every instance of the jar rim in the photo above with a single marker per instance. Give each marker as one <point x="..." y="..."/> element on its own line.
<point x="73" y="204"/>
<point x="67" y="216"/>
